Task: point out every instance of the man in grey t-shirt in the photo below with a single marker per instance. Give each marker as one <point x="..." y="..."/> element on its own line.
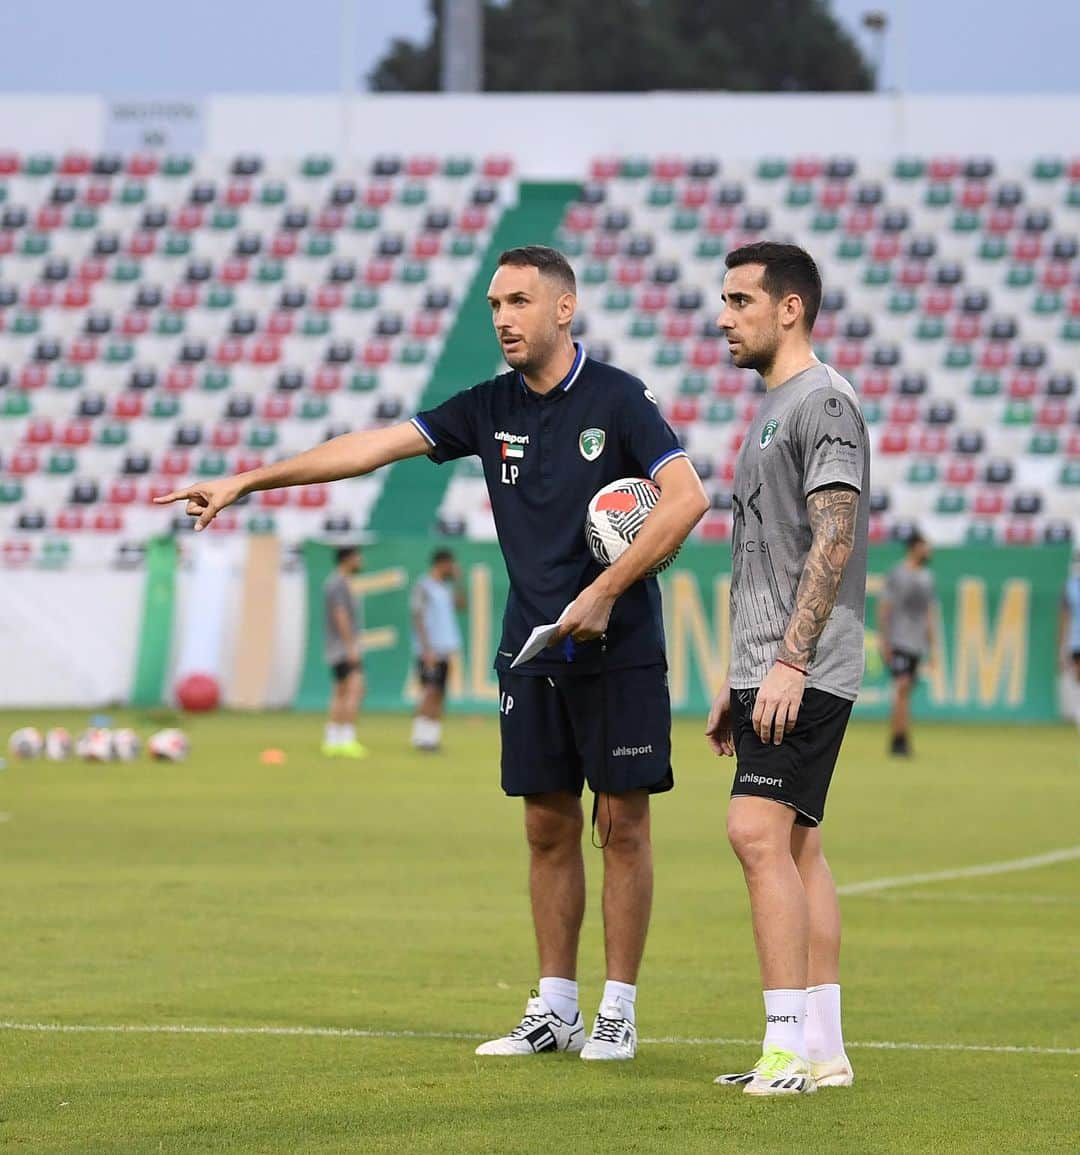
<point x="799" y="545"/>
<point x="906" y="628"/>
<point x="342" y="628"/>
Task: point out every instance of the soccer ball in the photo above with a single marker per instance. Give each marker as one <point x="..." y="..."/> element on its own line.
<point x="616" y="513"/>
<point x="168" y="746"/>
<point x="58" y="744"/>
<point x="25" y="743"/>
<point x="94" y="745"/>
<point x="125" y="745"/>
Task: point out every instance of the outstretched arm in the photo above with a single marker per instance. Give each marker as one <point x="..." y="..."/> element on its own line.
<point x="351" y="455"/>
<point x="832" y="514"/>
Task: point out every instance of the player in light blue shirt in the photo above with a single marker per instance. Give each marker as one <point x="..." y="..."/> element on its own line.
<point x="1069" y="640"/>
<point x="436" y="639"/>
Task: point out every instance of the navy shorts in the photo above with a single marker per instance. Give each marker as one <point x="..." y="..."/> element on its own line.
<point x="799" y="770"/>
<point x="434" y="675"/>
<point x="612" y="730"/>
<point x="339" y="671"/>
<point x="904" y="663"/>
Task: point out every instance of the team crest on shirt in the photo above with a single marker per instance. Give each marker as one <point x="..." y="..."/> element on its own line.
<point x="768" y="432"/>
<point x="591" y="443"/>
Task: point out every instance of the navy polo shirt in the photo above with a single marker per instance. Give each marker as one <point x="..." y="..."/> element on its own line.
<point x="544" y="456"/>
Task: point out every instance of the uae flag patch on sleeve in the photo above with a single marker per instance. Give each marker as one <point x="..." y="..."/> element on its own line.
<point x="512" y="452"/>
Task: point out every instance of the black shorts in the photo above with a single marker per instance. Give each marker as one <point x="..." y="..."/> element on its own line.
<point x="799" y="770"/>
<point x="434" y="675"/>
<point x="611" y="730"/>
<point x="339" y="671"/>
<point x="904" y="662"/>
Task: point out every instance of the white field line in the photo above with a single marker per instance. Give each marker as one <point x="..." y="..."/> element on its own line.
<point x="962" y="896"/>
<point x="452" y="1036"/>
<point x="979" y="871"/>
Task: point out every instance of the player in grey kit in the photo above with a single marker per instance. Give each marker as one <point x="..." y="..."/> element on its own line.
<point x="906" y="627"/>
<point x="799" y="546"/>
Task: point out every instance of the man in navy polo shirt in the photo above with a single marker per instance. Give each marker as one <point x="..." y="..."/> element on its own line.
<point x="594" y="707"/>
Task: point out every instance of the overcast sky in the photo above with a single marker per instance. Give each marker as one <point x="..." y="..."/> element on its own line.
<point x="139" y="48"/>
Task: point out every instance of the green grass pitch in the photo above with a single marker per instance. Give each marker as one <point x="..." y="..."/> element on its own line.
<point x="385" y="902"/>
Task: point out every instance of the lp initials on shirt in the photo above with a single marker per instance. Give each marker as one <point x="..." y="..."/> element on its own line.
<point x="510" y="473"/>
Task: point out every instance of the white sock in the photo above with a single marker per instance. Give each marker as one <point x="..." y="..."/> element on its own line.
<point x="625" y="993"/>
<point x="418" y="730"/>
<point x="434" y="731"/>
<point x="562" y="996"/>
<point x="824" y="1038"/>
<point x="330" y="733"/>
<point x="785" y="1021"/>
<point x="346" y="733"/>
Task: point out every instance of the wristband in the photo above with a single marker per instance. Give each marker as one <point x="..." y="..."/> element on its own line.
<point x="797" y="669"/>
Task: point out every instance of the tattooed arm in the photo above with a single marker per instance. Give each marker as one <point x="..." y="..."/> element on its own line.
<point x="832" y="513"/>
<point x="832" y="522"/>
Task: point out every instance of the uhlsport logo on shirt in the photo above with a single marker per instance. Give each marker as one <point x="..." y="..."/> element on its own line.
<point x="591" y="443"/>
<point x="768" y="432"/>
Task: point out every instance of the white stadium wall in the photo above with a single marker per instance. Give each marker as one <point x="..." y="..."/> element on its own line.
<point x="550" y="136"/>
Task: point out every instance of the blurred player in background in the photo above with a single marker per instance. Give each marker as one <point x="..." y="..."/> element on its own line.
<point x="798" y="591"/>
<point x="1069" y="640"/>
<point x="436" y="640"/>
<point x="907" y="624"/>
<point x="594" y="707"/>
<point x="343" y="656"/>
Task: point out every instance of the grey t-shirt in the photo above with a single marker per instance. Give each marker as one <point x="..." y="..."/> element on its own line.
<point x="336" y="593"/>
<point x="911" y="597"/>
<point x="808" y="433"/>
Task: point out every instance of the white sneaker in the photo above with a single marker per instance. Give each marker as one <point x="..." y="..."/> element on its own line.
<point x="833" y="1072"/>
<point x="540" y="1030"/>
<point x="614" y="1036"/>
<point x="777" y="1072"/>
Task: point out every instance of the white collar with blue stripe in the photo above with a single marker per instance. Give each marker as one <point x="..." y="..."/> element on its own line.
<point x="565" y="385"/>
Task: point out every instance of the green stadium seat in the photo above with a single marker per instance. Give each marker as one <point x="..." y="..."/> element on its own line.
<point x="457" y="166"/>
<point x="313" y="167"/>
<point x="875" y="275"/>
<point x="799" y="196"/>
<point x="165" y="407"/>
<point x="363" y="382"/>
<point x="415" y="272"/>
<point x="938" y="196"/>
<point x="950" y="501"/>
<point x="668" y="355"/>
<point x="710" y="248"/>
<point x="992" y="249"/>
<point x="211" y="465"/>
<point x="595" y="273"/>
<point x="772" y="168"/>
<point x="930" y="329"/>
<point x="1072" y="197"/>
<point x="133" y="193"/>
<point x="412" y="195"/>
<point x="119" y="352"/>
<point x="850" y="249"/>
<point x="169" y="324"/>
<point x="643" y="327"/>
<point x="177" y="245"/>
<point x="720" y="413"/>
<point x="215" y="380"/>
<point x="34" y="245"/>
<point x="661" y="196"/>
<point x="315" y="325"/>
<point x="261" y="524"/>
<point x="825" y="221"/>
<point x="262" y="437"/>
<point x="39" y="164"/>
<point x="16" y="405"/>
<point x="922" y="473"/>
<point x="55" y="553"/>
<point x="270" y="273"/>
<point x="112" y="434"/>
<point x="319" y="245"/>
<point x="412" y="353"/>
<point x="83" y="218"/>
<point x="1019" y="413"/>
<point x="61" y="463"/>
<point x="684" y="221"/>
<point x="272" y="193"/>
<point x="909" y="168"/>
<point x="1047" y="168"/>
<point x="1020" y="277"/>
<point x="693" y="385"/>
<point x="463" y="246"/>
<point x="69" y="378"/>
<point x="980" y="533"/>
<point x="363" y="299"/>
<point x="1071" y="329"/>
<point x="26" y="324"/>
<point x="986" y="385"/>
<point x="224" y="220"/>
<point x="125" y="272"/>
<point x="220" y="297"/>
<point x="966" y="221"/>
<point x="634" y="168"/>
<point x="902" y="302"/>
<point x="177" y="166"/>
<point x="11" y="492"/>
<point x="1046" y="304"/>
<point x="314" y="409"/>
<point x="1043" y="444"/>
<point x="617" y="300"/>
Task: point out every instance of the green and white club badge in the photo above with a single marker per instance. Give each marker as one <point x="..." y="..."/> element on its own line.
<point x="591" y="443"/>
<point x="768" y="432"/>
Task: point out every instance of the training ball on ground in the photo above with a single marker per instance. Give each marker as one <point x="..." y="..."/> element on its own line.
<point x="94" y="745"/>
<point x="616" y="514"/>
<point x="168" y="746"/>
<point x="25" y="742"/>
<point x="125" y="745"/>
<point x="58" y="744"/>
<point x="197" y="693"/>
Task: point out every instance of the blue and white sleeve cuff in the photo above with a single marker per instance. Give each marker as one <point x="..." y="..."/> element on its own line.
<point x="424" y="431"/>
<point x="660" y="462"/>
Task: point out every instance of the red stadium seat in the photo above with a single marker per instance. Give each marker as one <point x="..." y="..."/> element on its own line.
<point x="328" y="298"/>
<point x="938" y="302"/>
<point x="895" y="441"/>
<point x="1019" y="533"/>
<point x="425" y="326"/>
<point x="668" y="168"/>
<point x="284" y="245"/>
<point x="76" y="434"/>
<point x="604" y="246"/>
<point x="108" y="521"/>
<point x="142" y="244"/>
<point x="233" y="271"/>
<point x="264" y="351"/>
<point x="912" y="275"/>
<point x="695" y="196"/>
<point x="1028" y="248"/>
<point x="1056" y="276"/>
<point x="421" y="166"/>
<point x="97" y="194"/>
<point x="960" y="472"/>
<point x="376" y="353"/>
<point x="225" y="436"/>
<point x="996" y="355"/>
<point x="48" y="217"/>
<point x="23" y="463"/>
<point x="237" y="195"/>
<point x="833" y="196"/>
<point x="684" y="411"/>
<point x="275" y="408"/>
<point x="142" y="164"/>
<point x="472" y="220"/>
<point x="39" y="432"/>
<point x="183" y="297"/>
<point x="1022" y="386"/>
<point x="378" y="273"/>
<point x="313" y="496"/>
<point x="135" y="324"/>
<point x="76" y="296"/>
<point x="931" y="442"/>
<point x="91" y="271"/>
<point x="1052" y="415"/>
<point x="33" y="377"/>
<point x="604" y="168"/>
<point x="426" y="246"/>
<point x="988" y="503"/>
<point x="965" y="330"/>
<point x="122" y="492"/>
<point x="497" y="167"/>
<point x="330" y="219"/>
<point x="974" y="196"/>
<point x="274" y="498"/>
<point x="904" y="412"/>
<point x="246" y="461"/>
<point x="943" y="168"/>
<point x="69" y="520"/>
<point x="1001" y="221"/>
<point x="229" y="352"/>
<point x="859" y="221"/>
<point x="678" y="327"/>
<point x="9" y="164"/>
<point x="875" y="384"/>
<point x="280" y="324"/>
<point x="326" y="380"/>
<point x="128" y="406"/>
<point x="805" y="168"/>
<point x="705" y="354"/>
<point x="376" y="196"/>
<point x="175" y="463"/>
<point x="716" y="528"/>
<point x="826" y="327"/>
<point x="75" y="164"/>
<point x="886" y="248"/>
<point x="179" y="379"/>
<point x="653" y="299"/>
<point x="39" y="297"/>
<point x="82" y="351"/>
<point x="630" y="273"/>
<point x="849" y="356"/>
<point x="579" y="219"/>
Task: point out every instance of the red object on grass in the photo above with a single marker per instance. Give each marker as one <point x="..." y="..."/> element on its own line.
<point x="198" y="693"/>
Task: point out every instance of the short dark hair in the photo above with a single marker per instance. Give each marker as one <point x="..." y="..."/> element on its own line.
<point x="442" y="554"/>
<point x="914" y="538"/>
<point x="788" y="269"/>
<point x="549" y="261"/>
<point x="343" y="552"/>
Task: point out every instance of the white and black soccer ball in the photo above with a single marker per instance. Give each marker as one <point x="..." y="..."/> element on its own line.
<point x="168" y="746"/>
<point x="94" y="745"/>
<point x="58" y="744"/>
<point x="125" y="745"/>
<point x="616" y="514"/>
<point x="25" y="743"/>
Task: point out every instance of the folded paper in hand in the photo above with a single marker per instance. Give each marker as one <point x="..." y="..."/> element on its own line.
<point x="537" y="641"/>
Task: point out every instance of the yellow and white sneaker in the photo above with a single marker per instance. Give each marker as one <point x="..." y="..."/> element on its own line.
<point x="777" y="1072"/>
<point x="833" y="1072"/>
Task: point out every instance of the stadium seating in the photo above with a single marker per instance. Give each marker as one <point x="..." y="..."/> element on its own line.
<point x="171" y="317"/>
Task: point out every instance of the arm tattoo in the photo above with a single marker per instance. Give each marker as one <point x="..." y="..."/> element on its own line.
<point x="832" y="522"/>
